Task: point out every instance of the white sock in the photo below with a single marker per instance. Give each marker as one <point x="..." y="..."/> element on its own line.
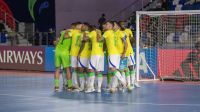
<point x="99" y="82"/>
<point x="114" y="82"/>
<point x="121" y="79"/>
<point x="74" y="79"/>
<point x="132" y="76"/>
<point x="124" y="76"/>
<point x="128" y="80"/>
<point x="82" y="81"/>
<point x="86" y="80"/>
<point x="91" y="82"/>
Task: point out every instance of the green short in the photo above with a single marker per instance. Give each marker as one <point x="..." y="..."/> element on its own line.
<point x="62" y="58"/>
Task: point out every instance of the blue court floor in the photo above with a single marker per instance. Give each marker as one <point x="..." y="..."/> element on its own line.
<point x="33" y="92"/>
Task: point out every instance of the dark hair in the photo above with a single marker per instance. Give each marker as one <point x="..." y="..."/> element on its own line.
<point x="121" y="27"/>
<point x="77" y="23"/>
<point x="103" y="14"/>
<point x="86" y="23"/>
<point x="73" y="24"/>
<point x="91" y="27"/>
<point x="111" y="22"/>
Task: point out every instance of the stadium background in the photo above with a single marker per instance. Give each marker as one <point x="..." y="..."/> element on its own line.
<point x="63" y="12"/>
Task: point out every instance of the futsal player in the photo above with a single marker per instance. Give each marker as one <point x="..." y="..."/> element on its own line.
<point x="73" y="25"/>
<point x="130" y="54"/>
<point x="96" y="63"/>
<point x="83" y="57"/>
<point x="75" y="47"/>
<point x="122" y="45"/>
<point x="62" y="57"/>
<point x="113" y="56"/>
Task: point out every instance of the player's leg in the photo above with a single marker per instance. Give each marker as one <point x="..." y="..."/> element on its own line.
<point x="66" y="65"/>
<point x="109" y="76"/>
<point x="128" y="80"/>
<point x="114" y="61"/>
<point x="69" y="80"/>
<point x="132" y="71"/>
<point x="74" y="65"/>
<point x="63" y="72"/>
<point x="56" y="79"/>
<point x="90" y="81"/>
<point x="88" y="75"/>
<point x="57" y="71"/>
<point x="100" y="69"/>
<point x="123" y="67"/>
<point x="128" y="73"/>
<point x="91" y="75"/>
<point x="81" y="68"/>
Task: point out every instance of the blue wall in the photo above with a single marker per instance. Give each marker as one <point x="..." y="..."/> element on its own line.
<point x="49" y="59"/>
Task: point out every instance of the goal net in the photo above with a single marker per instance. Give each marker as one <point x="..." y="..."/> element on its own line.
<point x="167" y="45"/>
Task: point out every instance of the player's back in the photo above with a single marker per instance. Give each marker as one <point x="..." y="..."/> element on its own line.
<point x="111" y="42"/>
<point x="64" y="44"/>
<point x="97" y="47"/>
<point x="76" y="42"/>
<point x="129" y="45"/>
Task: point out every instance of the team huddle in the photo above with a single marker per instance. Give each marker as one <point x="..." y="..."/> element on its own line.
<point x="80" y="50"/>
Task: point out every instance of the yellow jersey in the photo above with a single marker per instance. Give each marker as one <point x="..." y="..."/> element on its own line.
<point x="86" y="52"/>
<point x="111" y="42"/>
<point x="120" y="45"/>
<point x="97" y="47"/>
<point x="129" y="45"/>
<point x="77" y="36"/>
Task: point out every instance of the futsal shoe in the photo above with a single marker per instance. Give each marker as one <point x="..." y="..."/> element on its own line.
<point x="69" y="88"/>
<point x="113" y="90"/>
<point x="98" y="90"/>
<point x="90" y="90"/>
<point x="56" y="89"/>
<point x="81" y="89"/>
<point x="137" y="85"/>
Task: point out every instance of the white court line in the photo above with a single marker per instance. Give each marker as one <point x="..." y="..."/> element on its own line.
<point x="104" y="102"/>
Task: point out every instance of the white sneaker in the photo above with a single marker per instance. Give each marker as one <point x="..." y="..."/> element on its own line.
<point x="81" y="89"/>
<point x="137" y="85"/>
<point x="56" y="89"/>
<point x="99" y="90"/>
<point x="113" y="90"/>
<point x="90" y="90"/>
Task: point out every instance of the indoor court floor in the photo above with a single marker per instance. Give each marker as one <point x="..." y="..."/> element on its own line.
<point x="33" y="92"/>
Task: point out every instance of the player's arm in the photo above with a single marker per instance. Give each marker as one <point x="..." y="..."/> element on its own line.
<point x="100" y="38"/>
<point x="81" y="49"/>
<point x="55" y="42"/>
<point x="131" y="37"/>
<point x="85" y="37"/>
<point x="68" y="34"/>
<point x="125" y="46"/>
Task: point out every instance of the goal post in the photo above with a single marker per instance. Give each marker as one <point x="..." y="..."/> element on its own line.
<point x="167" y="45"/>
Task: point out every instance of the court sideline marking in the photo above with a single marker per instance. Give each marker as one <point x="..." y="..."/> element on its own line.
<point x="129" y="103"/>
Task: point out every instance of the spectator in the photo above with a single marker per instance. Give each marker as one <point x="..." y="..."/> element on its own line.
<point x="37" y="38"/>
<point x="51" y="36"/>
<point x="164" y="5"/>
<point x="101" y="21"/>
<point x="2" y="27"/>
<point x="3" y="37"/>
<point x="44" y="38"/>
